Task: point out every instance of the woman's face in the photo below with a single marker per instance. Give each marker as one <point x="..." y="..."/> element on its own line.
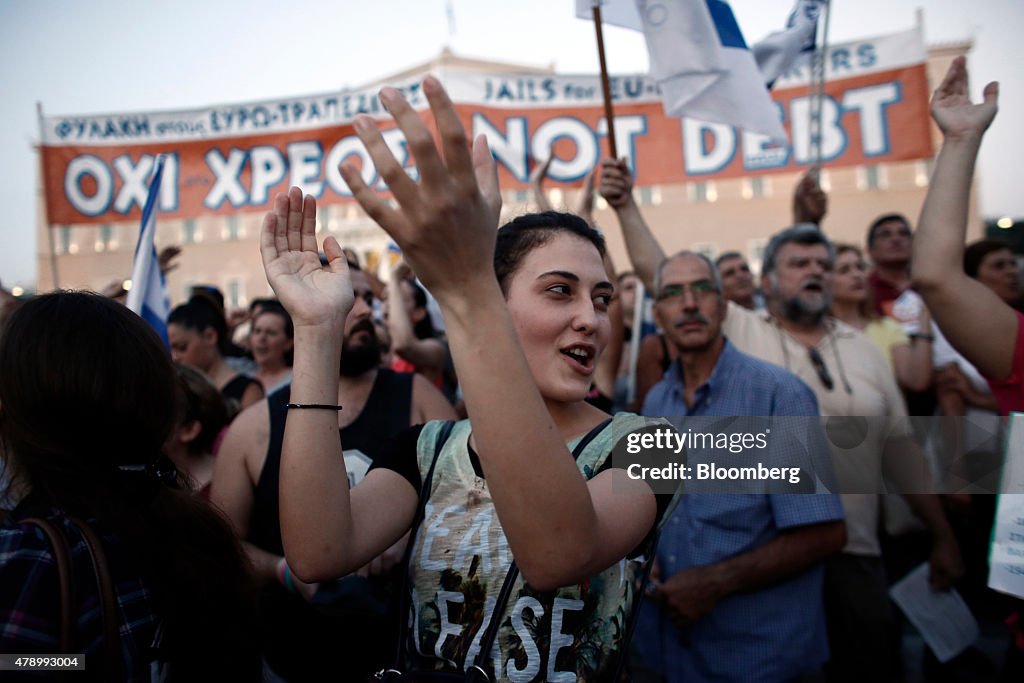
<point x="269" y="341"/>
<point x="193" y="348"/>
<point x="558" y="298"/>
<point x="998" y="272"/>
<point x="851" y="277"/>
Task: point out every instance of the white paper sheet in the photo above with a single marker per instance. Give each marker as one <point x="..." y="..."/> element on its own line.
<point x="1006" y="555"/>
<point x="942" y="617"/>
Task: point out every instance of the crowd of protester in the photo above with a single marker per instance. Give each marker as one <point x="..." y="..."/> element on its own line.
<point x="414" y="475"/>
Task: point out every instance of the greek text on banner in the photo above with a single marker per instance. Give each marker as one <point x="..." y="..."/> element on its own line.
<point x="225" y="159"/>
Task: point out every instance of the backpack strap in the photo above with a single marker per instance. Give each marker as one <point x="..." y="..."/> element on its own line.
<point x="61" y="549"/>
<point x="62" y="557"/>
<point x="394" y="673"/>
<point x="476" y="670"/>
<point x="108" y="599"/>
<point x="588" y="437"/>
<point x="645" y="574"/>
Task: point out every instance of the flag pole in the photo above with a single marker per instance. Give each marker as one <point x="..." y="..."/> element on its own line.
<point x="606" y="89"/>
<point x="817" y="96"/>
<point x="42" y="206"/>
<point x="636" y="324"/>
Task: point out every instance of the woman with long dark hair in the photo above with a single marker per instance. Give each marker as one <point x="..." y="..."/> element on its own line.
<point x="87" y="403"/>
<point x="199" y="337"/>
<point x="271" y="345"/>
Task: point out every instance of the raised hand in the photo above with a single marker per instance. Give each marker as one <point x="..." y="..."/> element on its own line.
<point x="166" y="258"/>
<point x="810" y="203"/>
<point x="312" y="293"/>
<point x="585" y="203"/>
<point x="952" y="109"/>
<point x="446" y="223"/>
<point x="537" y="176"/>
<point x="616" y="182"/>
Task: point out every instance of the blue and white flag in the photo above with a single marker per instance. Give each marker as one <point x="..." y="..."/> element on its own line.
<point x="700" y="60"/>
<point x="792" y="47"/>
<point x="148" y="294"/>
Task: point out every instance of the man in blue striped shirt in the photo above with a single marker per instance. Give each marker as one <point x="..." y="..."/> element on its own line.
<point x="737" y="593"/>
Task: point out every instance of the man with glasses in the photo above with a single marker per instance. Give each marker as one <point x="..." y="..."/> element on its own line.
<point x="850" y="378"/>
<point x="727" y="560"/>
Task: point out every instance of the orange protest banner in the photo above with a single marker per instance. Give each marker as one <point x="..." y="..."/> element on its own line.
<point x="227" y="159"/>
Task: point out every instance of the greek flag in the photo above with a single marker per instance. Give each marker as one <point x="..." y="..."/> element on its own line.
<point x="700" y="60"/>
<point x="792" y="47"/>
<point x="148" y="294"/>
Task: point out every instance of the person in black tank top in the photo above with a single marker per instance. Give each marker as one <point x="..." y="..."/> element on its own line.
<point x="387" y="412"/>
<point x="348" y="614"/>
<point x="337" y="630"/>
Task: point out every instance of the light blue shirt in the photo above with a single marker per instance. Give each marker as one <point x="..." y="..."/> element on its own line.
<point x="778" y="632"/>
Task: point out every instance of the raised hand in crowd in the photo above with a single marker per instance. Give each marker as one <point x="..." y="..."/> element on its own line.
<point x="617" y="189"/>
<point x="313" y="294"/>
<point x="585" y="202"/>
<point x="953" y="111"/>
<point x="167" y="258"/>
<point x="810" y="203"/>
<point x="537" y="176"/>
<point x="235" y="317"/>
<point x="420" y="349"/>
<point x="616" y="183"/>
<point x="449" y="219"/>
<point x="960" y="305"/>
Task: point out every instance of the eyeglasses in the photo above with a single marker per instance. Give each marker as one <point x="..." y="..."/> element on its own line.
<point x="702" y="289"/>
<point x="819" y="366"/>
